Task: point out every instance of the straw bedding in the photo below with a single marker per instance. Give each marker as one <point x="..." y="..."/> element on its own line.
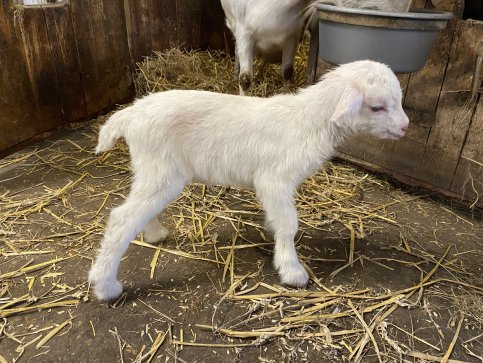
<point x="55" y="199"/>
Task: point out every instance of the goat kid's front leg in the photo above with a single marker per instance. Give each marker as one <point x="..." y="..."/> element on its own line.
<point x="245" y="54"/>
<point x="281" y="218"/>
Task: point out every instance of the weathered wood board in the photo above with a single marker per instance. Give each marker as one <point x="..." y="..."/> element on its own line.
<point x="104" y="60"/>
<point x="214" y="33"/>
<point x="65" y="62"/>
<point x="442" y="149"/>
<point x="68" y="61"/>
<point x="18" y="117"/>
<point x="188" y="20"/>
<point x="423" y="86"/>
<point x="151" y="25"/>
<point x="155" y="25"/>
<point x="33" y="31"/>
<point x="468" y="179"/>
<point x="454" y="113"/>
<point x="467" y="125"/>
<point x="449" y="158"/>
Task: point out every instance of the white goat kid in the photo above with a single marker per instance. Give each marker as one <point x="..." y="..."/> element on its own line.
<point x="269" y="144"/>
<point x="269" y="28"/>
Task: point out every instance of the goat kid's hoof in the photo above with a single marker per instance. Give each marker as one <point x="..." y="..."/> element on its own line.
<point x="107" y="291"/>
<point x="294" y="276"/>
<point x="104" y="290"/>
<point x="156" y="235"/>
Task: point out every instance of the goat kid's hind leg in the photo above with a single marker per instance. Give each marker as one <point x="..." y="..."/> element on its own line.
<point x="125" y="222"/>
<point x="281" y="218"/>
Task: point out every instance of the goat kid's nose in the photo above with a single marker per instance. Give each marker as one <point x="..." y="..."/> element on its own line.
<point x="405" y="124"/>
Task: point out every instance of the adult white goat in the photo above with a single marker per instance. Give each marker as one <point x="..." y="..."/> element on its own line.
<point x="269" y="28"/>
<point x="269" y="144"/>
<point x="273" y="28"/>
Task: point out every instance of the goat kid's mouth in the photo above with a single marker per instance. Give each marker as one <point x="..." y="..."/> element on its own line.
<point x="395" y="135"/>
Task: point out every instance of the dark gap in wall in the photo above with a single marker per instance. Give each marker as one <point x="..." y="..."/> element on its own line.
<point x="473" y="10"/>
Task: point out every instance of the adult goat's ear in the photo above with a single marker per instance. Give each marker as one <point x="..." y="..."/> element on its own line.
<point x="349" y="103"/>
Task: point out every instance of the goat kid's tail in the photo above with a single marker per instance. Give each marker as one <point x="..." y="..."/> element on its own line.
<point x="111" y="131"/>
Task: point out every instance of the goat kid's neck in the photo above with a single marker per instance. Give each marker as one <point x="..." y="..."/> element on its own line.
<point x="318" y="103"/>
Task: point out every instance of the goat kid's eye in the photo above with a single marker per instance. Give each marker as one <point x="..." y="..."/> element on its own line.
<point x="377" y="108"/>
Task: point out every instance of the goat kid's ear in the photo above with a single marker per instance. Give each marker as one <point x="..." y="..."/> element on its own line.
<point x="349" y="103"/>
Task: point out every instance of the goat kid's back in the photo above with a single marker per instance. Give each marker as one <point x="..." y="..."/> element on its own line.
<point x="217" y="138"/>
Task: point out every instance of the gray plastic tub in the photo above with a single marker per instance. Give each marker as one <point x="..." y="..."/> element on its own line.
<point x="403" y="41"/>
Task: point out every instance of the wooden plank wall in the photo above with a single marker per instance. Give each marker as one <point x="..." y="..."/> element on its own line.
<point x="69" y="61"/>
<point x="154" y="24"/>
<point x="463" y="128"/>
<point x="442" y="149"/>
<point x="214" y="33"/>
<point x="103" y="54"/>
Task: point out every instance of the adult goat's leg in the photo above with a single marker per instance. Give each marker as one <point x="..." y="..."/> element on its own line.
<point x="237" y="62"/>
<point x="245" y="52"/>
<point x="281" y="218"/>
<point x="124" y="223"/>
<point x="288" y="56"/>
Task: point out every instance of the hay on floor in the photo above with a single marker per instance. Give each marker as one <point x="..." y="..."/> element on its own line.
<point x="352" y="321"/>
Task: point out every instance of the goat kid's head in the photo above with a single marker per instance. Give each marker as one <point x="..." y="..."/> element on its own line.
<point x="371" y="100"/>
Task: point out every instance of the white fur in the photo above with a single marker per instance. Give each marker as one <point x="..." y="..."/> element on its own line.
<point x="268" y="144"/>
